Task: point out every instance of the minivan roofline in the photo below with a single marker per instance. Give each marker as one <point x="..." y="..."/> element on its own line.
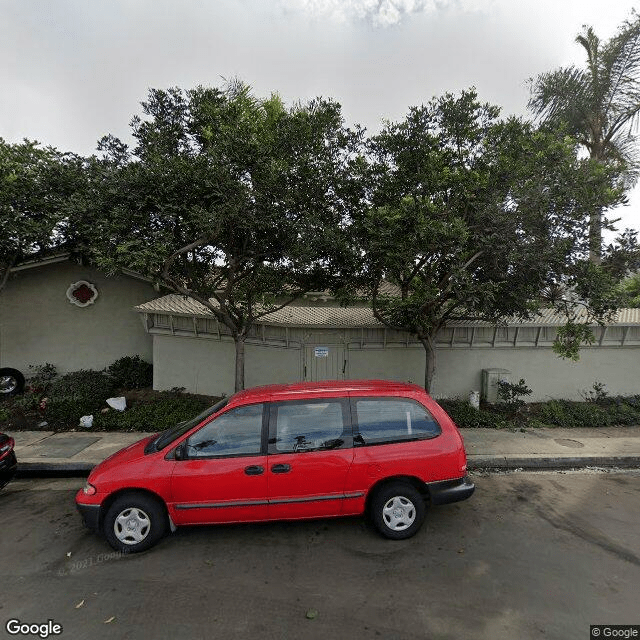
<point x="326" y="386"/>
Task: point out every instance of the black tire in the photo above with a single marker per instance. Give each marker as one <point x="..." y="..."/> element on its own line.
<point x="11" y="382"/>
<point x="398" y="510"/>
<point x="134" y="522"/>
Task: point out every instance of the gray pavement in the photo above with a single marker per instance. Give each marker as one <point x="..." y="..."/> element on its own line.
<point x="72" y="451"/>
<point x="531" y="556"/>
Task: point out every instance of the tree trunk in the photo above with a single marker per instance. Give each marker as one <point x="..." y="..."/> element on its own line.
<point x="595" y="217"/>
<point x="595" y="236"/>
<point x="430" y="362"/>
<point x="239" y="340"/>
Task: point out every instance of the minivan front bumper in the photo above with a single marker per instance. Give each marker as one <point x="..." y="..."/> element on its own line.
<point x="447" y="491"/>
<point x="90" y="515"/>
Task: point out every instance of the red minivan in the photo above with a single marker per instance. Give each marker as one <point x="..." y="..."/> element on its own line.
<point x="285" y="452"/>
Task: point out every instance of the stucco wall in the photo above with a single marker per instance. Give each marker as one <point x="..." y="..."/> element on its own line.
<point x="459" y="370"/>
<point x="207" y="365"/>
<point x="400" y="364"/>
<point x="38" y="324"/>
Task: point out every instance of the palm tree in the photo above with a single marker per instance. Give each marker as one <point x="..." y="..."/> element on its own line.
<point x="599" y="104"/>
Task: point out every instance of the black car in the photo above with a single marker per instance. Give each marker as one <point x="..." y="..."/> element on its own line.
<point x="8" y="462"/>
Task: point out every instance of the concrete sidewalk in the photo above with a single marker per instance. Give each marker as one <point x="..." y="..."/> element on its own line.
<point x="79" y="452"/>
<point x="552" y="448"/>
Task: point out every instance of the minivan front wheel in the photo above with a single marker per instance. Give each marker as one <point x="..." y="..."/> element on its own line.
<point x="398" y="510"/>
<point x="134" y="522"/>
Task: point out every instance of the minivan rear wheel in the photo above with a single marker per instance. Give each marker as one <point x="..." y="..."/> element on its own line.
<point x="134" y="522"/>
<point x="398" y="510"/>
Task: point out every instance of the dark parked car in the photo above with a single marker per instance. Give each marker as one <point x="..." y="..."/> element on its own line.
<point x="8" y="462"/>
<point x="285" y="452"/>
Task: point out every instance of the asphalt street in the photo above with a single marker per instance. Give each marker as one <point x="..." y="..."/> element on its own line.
<point x="530" y="555"/>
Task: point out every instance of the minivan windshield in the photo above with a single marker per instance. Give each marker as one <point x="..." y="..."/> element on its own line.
<point x="172" y="434"/>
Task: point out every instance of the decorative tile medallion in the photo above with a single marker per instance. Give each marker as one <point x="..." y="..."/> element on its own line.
<point x="82" y="293"/>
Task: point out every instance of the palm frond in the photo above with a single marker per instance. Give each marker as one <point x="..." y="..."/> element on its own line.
<point x="600" y="104"/>
<point x="561" y="95"/>
<point x="621" y="63"/>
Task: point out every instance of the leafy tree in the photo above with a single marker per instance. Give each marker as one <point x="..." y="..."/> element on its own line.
<point x="631" y="288"/>
<point x="599" y="104"/>
<point x="234" y="201"/>
<point x="475" y="218"/>
<point x="36" y="186"/>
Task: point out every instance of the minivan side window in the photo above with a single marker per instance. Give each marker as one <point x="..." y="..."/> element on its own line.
<point x="392" y="420"/>
<point x="314" y="425"/>
<point x="234" y="433"/>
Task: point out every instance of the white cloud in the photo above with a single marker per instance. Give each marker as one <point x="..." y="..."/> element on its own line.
<point x="381" y="13"/>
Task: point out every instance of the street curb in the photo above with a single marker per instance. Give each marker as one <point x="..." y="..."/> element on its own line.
<point x="550" y="463"/>
<point x="53" y="467"/>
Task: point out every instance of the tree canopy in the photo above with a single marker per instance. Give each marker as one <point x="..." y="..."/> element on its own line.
<point x="234" y="201"/>
<point x="474" y="217"/>
<point x="37" y="185"/>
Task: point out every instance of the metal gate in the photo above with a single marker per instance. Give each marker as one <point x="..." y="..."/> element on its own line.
<point x="324" y="363"/>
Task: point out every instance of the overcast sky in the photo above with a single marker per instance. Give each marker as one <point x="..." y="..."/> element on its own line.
<point x="74" y="70"/>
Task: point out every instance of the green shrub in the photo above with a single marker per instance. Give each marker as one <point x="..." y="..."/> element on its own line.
<point x="464" y="415"/>
<point x="598" y="394"/>
<point x="28" y="401"/>
<point x="511" y="393"/>
<point x="76" y="394"/>
<point x="164" y="412"/>
<point x="131" y="372"/>
<point x="40" y="379"/>
<point x="567" y="413"/>
<point x="555" y="413"/>
<point x="85" y="383"/>
<point x="624" y="411"/>
<point x="65" y="411"/>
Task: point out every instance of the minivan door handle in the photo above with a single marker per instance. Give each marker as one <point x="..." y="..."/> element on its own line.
<point x="254" y="470"/>
<point x="281" y="468"/>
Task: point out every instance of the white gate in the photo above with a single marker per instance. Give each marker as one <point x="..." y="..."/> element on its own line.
<point x="324" y="362"/>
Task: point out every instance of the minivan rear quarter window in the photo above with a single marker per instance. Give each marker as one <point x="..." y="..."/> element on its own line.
<point x="392" y="420"/>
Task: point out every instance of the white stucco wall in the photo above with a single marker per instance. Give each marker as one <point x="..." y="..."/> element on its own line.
<point x="38" y="324"/>
<point x="205" y="365"/>
<point x="459" y="370"/>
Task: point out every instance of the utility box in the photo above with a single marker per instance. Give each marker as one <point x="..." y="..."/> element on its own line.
<point x="490" y="378"/>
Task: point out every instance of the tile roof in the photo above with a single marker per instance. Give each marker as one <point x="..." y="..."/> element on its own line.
<point x="358" y="317"/>
<point x="335" y="317"/>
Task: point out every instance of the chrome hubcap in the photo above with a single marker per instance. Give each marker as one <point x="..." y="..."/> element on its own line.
<point x="8" y="384"/>
<point x="399" y="513"/>
<point x="132" y="526"/>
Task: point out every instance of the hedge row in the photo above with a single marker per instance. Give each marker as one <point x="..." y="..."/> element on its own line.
<point x="605" y="412"/>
